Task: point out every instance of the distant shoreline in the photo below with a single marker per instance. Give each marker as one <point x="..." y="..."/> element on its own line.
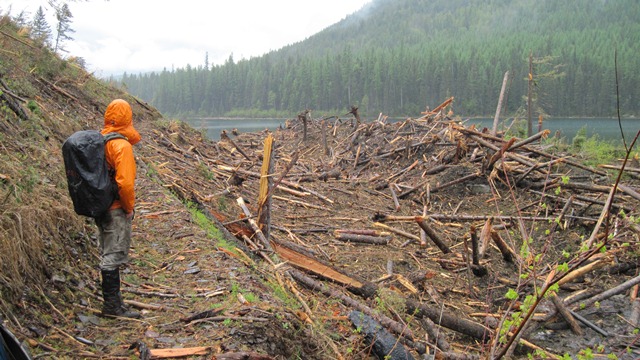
<point x="234" y="118"/>
<point x="464" y="118"/>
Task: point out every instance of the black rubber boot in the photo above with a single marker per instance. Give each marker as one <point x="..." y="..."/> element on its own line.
<point x="113" y="304"/>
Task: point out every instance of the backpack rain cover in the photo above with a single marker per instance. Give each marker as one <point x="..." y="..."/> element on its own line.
<point x="90" y="182"/>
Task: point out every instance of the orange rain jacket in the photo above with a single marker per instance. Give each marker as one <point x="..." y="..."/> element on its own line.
<point x="119" y="152"/>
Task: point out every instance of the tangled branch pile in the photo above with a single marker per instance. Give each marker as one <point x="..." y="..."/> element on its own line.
<point x="426" y="216"/>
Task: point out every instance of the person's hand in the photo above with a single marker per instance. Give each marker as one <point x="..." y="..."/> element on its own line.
<point x="130" y="215"/>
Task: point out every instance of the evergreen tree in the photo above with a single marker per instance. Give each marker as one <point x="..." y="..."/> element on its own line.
<point x="40" y="29"/>
<point x="21" y="18"/>
<point x="63" y="28"/>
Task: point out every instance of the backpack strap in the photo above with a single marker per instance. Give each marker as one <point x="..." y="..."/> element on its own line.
<point x="108" y="137"/>
<point x="113" y="135"/>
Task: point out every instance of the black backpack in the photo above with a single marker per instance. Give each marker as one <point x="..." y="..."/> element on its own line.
<point x="91" y="183"/>
<point x="10" y="346"/>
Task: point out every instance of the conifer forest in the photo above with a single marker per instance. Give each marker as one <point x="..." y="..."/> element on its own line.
<point x="401" y="56"/>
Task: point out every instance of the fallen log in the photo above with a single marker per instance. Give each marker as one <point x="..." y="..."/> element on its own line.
<point x="254" y="226"/>
<point x="388" y="323"/>
<point x="535" y="167"/>
<point x="396" y="203"/>
<point x="300" y="203"/>
<point x="588" y="323"/>
<point x="508" y="254"/>
<point x="315" y="266"/>
<point x="604" y="203"/>
<point x="365" y="239"/>
<point x="586" y="187"/>
<point x="519" y="158"/>
<point x="586" y="200"/>
<point x="463" y="217"/>
<point x="285" y="182"/>
<point x="234" y="318"/>
<point x="499" y="154"/>
<point x="415" y="308"/>
<point x="616" y="167"/>
<point x="431" y="171"/>
<point x="241" y="356"/>
<point x="383" y="344"/>
<point x="432" y="234"/>
<point x="359" y="232"/>
<point x="13" y="105"/>
<point x="455" y="182"/>
<point x="224" y="136"/>
<point x="435" y="336"/>
<point x="535" y="137"/>
<point x="609" y="293"/>
<point x="447" y="355"/>
<point x="582" y="294"/>
<point x="437" y="109"/>
<point x="566" y="315"/>
<point x="594" y="265"/>
<point x="629" y="191"/>
<point x="292" y="192"/>
<point x="398" y="232"/>
<point x="203" y="315"/>
<point x="439" y="187"/>
<point x="634" y="318"/>
<point x="532" y="150"/>
<point x="403" y="171"/>
<point x="448" y="320"/>
<point x="178" y="352"/>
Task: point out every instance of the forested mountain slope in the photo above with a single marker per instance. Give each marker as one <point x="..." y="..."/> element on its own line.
<point x="401" y="56"/>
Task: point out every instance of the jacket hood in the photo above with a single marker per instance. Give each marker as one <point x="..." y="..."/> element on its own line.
<point x="119" y="118"/>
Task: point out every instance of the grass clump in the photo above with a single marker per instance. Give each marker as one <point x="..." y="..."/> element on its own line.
<point x="209" y="227"/>
<point x="594" y="150"/>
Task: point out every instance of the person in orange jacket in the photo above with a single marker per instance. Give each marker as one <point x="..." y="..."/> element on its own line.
<point x="115" y="226"/>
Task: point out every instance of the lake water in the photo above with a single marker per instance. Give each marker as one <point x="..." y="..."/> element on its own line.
<point x="606" y="128"/>
<point x="214" y="126"/>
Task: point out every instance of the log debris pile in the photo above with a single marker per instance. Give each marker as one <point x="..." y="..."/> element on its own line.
<point x="425" y="216"/>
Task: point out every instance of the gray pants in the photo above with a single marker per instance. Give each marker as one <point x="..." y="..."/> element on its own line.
<point x="114" y="239"/>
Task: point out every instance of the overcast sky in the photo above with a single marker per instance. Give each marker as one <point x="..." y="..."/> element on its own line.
<point x="133" y="36"/>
